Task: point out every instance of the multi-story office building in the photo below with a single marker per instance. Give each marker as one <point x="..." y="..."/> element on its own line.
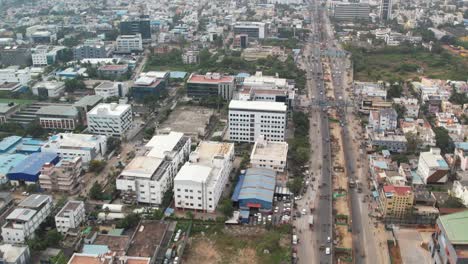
<point x="252" y="29"/>
<point x="149" y="84"/>
<point x="113" y="71"/>
<point x="111" y="89"/>
<point x="63" y="117"/>
<point x="386" y="9"/>
<point x="250" y="119"/>
<point x="90" y="50"/>
<point x="26" y="218"/>
<point x="396" y="201"/>
<point x="210" y="84"/>
<point x="45" y="55"/>
<point x="449" y="242"/>
<point x="394" y="143"/>
<point x="14" y="55"/>
<point x="432" y="167"/>
<point x="110" y="119"/>
<point x="70" y="217"/>
<point x="269" y="155"/>
<point x="62" y="177"/>
<point x="69" y="146"/>
<point x="200" y="182"/>
<point x="129" y="43"/>
<point x="146" y="179"/>
<point x="14" y="74"/>
<point x="136" y="25"/>
<point x="48" y="89"/>
<point x="351" y="11"/>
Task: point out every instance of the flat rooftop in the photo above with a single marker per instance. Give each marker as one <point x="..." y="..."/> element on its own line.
<point x="257" y="106"/>
<point x="142" y="167"/>
<point x="160" y="144"/>
<point x="69" y="206"/>
<point x="72" y="140"/>
<point x="58" y="110"/>
<point x="117" y="244"/>
<point x="109" y="109"/>
<point x="147" y="238"/>
<point x="195" y="78"/>
<point x="79" y="258"/>
<point x="34" y="200"/>
<point x="270" y="150"/>
<point x="10" y="253"/>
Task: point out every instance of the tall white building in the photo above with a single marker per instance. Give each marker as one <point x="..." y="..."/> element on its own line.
<point x="70" y="217"/>
<point x="15" y="75"/>
<point x="129" y="43"/>
<point x="70" y="145"/>
<point x="26" y="218"/>
<point x="44" y="55"/>
<point x="269" y="155"/>
<point x="250" y="119"/>
<point x="201" y="181"/>
<point x="146" y="179"/>
<point x="110" y="119"/>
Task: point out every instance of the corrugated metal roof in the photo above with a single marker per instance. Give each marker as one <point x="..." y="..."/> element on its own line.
<point x="33" y="163"/>
<point x="258" y="184"/>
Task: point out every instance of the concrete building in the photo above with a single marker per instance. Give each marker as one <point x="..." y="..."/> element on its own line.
<point x="81" y="258"/>
<point x="14" y="74"/>
<point x="432" y="167"/>
<point x="255" y="189"/>
<point x="111" y="89"/>
<point x="460" y="190"/>
<point x="461" y="154"/>
<point x="200" y="182"/>
<point x="63" y="117"/>
<point x="252" y="29"/>
<point x="62" y="177"/>
<point x="383" y="120"/>
<point x="386" y="9"/>
<point x="448" y="121"/>
<point x="411" y="105"/>
<point x="110" y="119"/>
<point x="136" y="25"/>
<point x="90" y="50"/>
<point x="15" y="55"/>
<point x="44" y="55"/>
<point x="146" y="179"/>
<point x="48" y="89"/>
<point x="190" y="57"/>
<point x="351" y="11"/>
<point x="113" y="71"/>
<point x="70" y="216"/>
<point x="250" y="119"/>
<point x="241" y="41"/>
<point x="70" y="146"/>
<point x="149" y="85"/>
<point x="7" y="110"/>
<point x="394" y="143"/>
<point x="269" y="155"/>
<point x="129" y="43"/>
<point x="448" y="244"/>
<point x="26" y="218"/>
<point x="14" y="254"/>
<point x="210" y="85"/>
<point x="28" y="170"/>
<point x="396" y="201"/>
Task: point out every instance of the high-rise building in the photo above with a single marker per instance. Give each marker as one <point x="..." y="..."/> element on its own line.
<point x="252" y="29"/>
<point x="136" y="25"/>
<point x="110" y="119"/>
<point x="386" y="10"/>
<point x="351" y="11"/>
<point x="129" y="43"/>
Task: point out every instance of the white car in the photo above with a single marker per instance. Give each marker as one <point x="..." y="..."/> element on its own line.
<point x="304" y="211"/>
<point x="276" y="209"/>
<point x="327" y="251"/>
<point x="328" y="239"/>
<point x="269" y="218"/>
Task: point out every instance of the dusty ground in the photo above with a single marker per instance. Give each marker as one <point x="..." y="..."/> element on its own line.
<point x="410" y="241"/>
<point x="395" y="254"/>
<point x="202" y="250"/>
<point x="346" y="241"/>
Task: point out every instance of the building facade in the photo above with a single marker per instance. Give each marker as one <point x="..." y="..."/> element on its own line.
<point x="58" y="117"/>
<point x="111" y="89"/>
<point x="70" y="216"/>
<point x="200" y="182"/>
<point x="129" y="43"/>
<point x="251" y="29"/>
<point x="110" y="119"/>
<point x="210" y="85"/>
<point x="138" y="25"/>
<point x="13" y="253"/>
<point x="351" y="11"/>
<point x="432" y="167"/>
<point x="396" y="201"/>
<point x="250" y="119"/>
<point x="62" y="177"/>
<point x="269" y="155"/>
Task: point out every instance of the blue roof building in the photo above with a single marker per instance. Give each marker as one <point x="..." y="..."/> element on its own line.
<point x="16" y="144"/>
<point x="8" y="143"/>
<point x="255" y="189"/>
<point x="7" y="162"/>
<point x="28" y="170"/>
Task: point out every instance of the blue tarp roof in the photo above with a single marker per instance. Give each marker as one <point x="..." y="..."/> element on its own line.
<point x="256" y="184"/>
<point x="381" y="164"/>
<point x="34" y="162"/>
<point x="442" y="163"/>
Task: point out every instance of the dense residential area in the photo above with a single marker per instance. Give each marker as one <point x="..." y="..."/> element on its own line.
<point x="278" y="131"/>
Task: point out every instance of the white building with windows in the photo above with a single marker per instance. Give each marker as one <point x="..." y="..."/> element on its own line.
<point x="432" y="167"/>
<point x="111" y="89"/>
<point x="26" y="218"/>
<point x="110" y="119"/>
<point x="250" y="119"/>
<point x="269" y="155"/>
<point x="146" y="179"/>
<point x="70" y="145"/>
<point x="200" y="182"/>
<point x="13" y="74"/>
<point x="70" y="217"/>
<point x="129" y="43"/>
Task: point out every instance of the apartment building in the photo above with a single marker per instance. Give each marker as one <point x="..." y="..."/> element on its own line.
<point x="449" y="243"/>
<point x="190" y="57"/>
<point x="269" y="155"/>
<point x="48" y="89"/>
<point x="411" y="105"/>
<point x="63" y="177"/>
<point x="111" y="89"/>
<point x="63" y="117"/>
<point x="210" y="84"/>
<point x="250" y="119"/>
<point x="386" y="9"/>
<point x="90" y="50"/>
<point x="70" y="216"/>
<point x="136" y="25"/>
<point x="448" y="121"/>
<point x="110" y="119"/>
<point x="396" y="201"/>
<point x="351" y="11"/>
<point x="251" y="29"/>
<point x="129" y="43"/>
<point x="391" y="142"/>
<point x="432" y="167"/>
<point x="70" y="145"/>
<point x="200" y="182"/>
<point x="13" y="74"/>
<point x="461" y="154"/>
<point x="43" y="55"/>
<point x="26" y="218"/>
<point x="146" y="179"/>
<point x="14" y="253"/>
<point x="384" y="119"/>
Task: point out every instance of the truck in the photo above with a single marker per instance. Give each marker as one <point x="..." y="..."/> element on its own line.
<point x="359" y="186"/>
<point x="311" y="221"/>
<point x="351" y="183"/>
<point x="312" y="206"/>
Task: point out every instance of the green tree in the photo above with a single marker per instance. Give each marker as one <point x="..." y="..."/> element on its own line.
<point x="34" y="129"/>
<point x="204" y="57"/>
<point x="129" y="221"/>
<point x="443" y="140"/>
<point x="394" y="91"/>
<point x="453" y="202"/>
<point x="74" y="84"/>
<point x="152" y="102"/>
<point x="95" y="192"/>
<point x="413" y="142"/>
<point x="458" y="98"/>
<point x="96" y="166"/>
<point x="53" y="238"/>
<point x="226" y="208"/>
<point x="295" y="185"/>
<point x="113" y="143"/>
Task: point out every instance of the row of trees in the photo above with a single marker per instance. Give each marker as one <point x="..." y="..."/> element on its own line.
<point x="299" y="149"/>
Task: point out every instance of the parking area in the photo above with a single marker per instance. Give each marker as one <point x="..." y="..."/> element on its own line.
<point x="410" y="241"/>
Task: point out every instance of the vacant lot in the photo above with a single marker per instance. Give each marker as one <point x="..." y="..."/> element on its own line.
<point x="406" y="63"/>
<point x="411" y="251"/>
<point x="245" y="245"/>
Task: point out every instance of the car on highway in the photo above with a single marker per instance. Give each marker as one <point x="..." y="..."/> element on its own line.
<point x="328" y="239"/>
<point x="327" y="251"/>
<point x="304" y="211"/>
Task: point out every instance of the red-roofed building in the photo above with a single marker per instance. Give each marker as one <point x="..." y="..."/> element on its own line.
<point x="209" y="85"/>
<point x="396" y="201"/>
<point x="113" y="70"/>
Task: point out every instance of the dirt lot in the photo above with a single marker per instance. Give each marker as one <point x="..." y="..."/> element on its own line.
<point x="191" y="120"/>
<point x="395" y="254"/>
<point x="243" y="245"/>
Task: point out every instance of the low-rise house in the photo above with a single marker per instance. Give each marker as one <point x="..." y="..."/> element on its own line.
<point x="411" y="105"/>
<point x="421" y="128"/>
<point x="448" y="121"/>
<point x="26" y="218"/>
<point x="70" y="216"/>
